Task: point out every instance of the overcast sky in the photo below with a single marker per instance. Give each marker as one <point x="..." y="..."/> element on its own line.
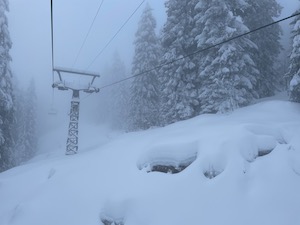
<point x="29" y="25"/>
<point x="30" y="31"/>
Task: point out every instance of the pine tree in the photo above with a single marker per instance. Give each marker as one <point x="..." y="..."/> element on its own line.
<point x="114" y="100"/>
<point x="25" y="126"/>
<point x="31" y="120"/>
<point x="120" y="94"/>
<point x="257" y="13"/>
<point x="179" y="81"/>
<point x="227" y="72"/>
<point x="19" y="134"/>
<point x="144" y="110"/>
<point x="294" y="69"/>
<point x="6" y="92"/>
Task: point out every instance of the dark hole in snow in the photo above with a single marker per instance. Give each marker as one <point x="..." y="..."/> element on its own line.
<point x="260" y="153"/>
<point x="264" y="152"/>
<point x="169" y="168"/>
<point x="211" y="173"/>
<point x="282" y="141"/>
<point x="109" y="221"/>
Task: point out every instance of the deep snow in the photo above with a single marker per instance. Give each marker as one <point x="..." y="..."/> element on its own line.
<point x="110" y="178"/>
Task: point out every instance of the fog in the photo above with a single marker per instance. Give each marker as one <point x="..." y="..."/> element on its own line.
<point x="29" y="24"/>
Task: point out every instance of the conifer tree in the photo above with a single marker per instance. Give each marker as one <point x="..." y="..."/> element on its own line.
<point x="31" y="120"/>
<point x="120" y="94"/>
<point x="144" y="102"/>
<point x="257" y="13"/>
<point x="294" y="68"/>
<point x="19" y="134"/>
<point x="114" y="100"/>
<point x="6" y="92"/>
<point x="25" y="126"/>
<point x="228" y="73"/>
<point x="179" y="81"/>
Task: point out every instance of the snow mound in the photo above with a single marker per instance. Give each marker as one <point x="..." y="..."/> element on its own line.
<point x="168" y="158"/>
<point x="243" y="167"/>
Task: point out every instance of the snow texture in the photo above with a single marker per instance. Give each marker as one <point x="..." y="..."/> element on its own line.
<point x="145" y="89"/>
<point x="228" y="181"/>
<point x="294" y="68"/>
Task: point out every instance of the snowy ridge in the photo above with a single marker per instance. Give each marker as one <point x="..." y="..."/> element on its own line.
<point x="228" y="181"/>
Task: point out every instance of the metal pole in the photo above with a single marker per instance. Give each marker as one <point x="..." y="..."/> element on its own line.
<point x="72" y="141"/>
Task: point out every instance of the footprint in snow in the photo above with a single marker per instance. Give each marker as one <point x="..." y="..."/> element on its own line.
<point x="51" y="173"/>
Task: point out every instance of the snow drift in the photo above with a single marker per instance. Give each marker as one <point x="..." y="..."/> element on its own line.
<point x="239" y="168"/>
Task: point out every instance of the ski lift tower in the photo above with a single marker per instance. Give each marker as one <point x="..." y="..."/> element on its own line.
<point x="62" y="85"/>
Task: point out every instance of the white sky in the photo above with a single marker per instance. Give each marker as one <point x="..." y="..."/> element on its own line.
<point x="29" y="24"/>
<point x="30" y="31"/>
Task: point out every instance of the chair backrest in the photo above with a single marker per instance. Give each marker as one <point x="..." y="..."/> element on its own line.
<point x="52" y="112"/>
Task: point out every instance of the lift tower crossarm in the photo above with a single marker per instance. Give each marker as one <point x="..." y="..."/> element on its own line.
<point x="77" y="72"/>
<point x="72" y="71"/>
<point x="72" y="141"/>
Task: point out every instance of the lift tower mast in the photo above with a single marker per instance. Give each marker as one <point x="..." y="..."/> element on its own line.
<point x="72" y="140"/>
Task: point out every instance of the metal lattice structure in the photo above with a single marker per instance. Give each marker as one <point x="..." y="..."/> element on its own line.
<point x="72" y="140"/>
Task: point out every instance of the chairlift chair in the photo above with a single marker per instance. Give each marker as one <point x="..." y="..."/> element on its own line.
<point x="52" y="111"/>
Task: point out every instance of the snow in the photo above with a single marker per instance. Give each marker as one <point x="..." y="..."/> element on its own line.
<point x="106" y="179"/>
<point x="295" y="81"/>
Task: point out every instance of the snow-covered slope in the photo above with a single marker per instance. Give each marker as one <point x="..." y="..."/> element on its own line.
<point x="240" y="168"/>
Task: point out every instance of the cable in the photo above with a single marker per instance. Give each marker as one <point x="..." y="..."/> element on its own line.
<point x="116" y="34"/>
<point x="200" y="51"/>
<point x="83" y="99"/>
<point x="52" y="41"/>
<point x="52" y="47"/>
<point x="85" y="39"/>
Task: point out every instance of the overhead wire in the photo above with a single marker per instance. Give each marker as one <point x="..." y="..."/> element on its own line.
<point x="52" y="49"/>
<point x="81" y="47"/>
<point x="200" y="51"/>
<point x="84" y="98"/>
<point x="88" y="33"/>
<point x="52" y="41"/>
<point x="115" y="35"/>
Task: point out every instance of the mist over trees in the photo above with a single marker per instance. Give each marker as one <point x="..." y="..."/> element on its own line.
<point x="179" y="81"/>
<point x="294" y="69"/>
<point x="218" y="80"/>
<point x="25" y="133"/>
<point x="145" y="90"/>
<point x="228" y="72"/>
<point x="6" y="91"/>
<point x="257" y="13"/>
<point x="18" y="140"/>
<point x="113" y="102"/>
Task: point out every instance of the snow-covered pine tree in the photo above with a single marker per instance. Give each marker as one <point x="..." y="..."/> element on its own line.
<point x="255" y="14"/>
<point x="6" y="92"/>
<point x="25" y="126"/>
<point x="294" y="68"/>
<point x="144" y="101"/>
<point x="114" y="102"/>
<point x="19" y="129"/>
<point x="228" y="73"/>
<point x="121" y="95"/>
<point x="179" y="81"/>
<point x="31" y="120"/>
